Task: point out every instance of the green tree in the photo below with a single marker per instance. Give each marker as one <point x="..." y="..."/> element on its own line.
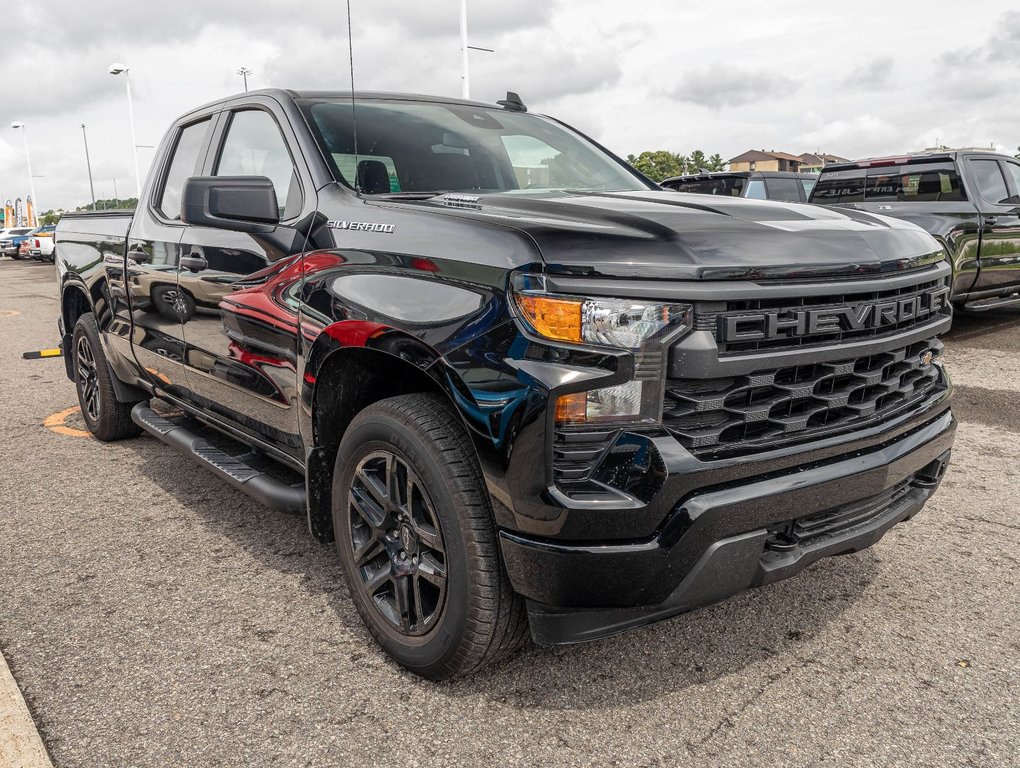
<point x="697" y="161"/>
<point x="716" y="163"/>
<point x="659" y="165"/>
<point x="50" y="217"/>
<point x="123" y="203"/>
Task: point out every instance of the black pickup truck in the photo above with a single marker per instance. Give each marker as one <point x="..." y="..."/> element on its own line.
<point x="518" y="385"/>
<point x="968" y="199"/>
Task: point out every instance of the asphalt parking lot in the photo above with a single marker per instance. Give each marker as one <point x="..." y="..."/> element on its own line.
<point x="154" y="617"/>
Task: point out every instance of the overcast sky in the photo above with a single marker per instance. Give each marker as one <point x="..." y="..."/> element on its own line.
<point x="853" y="79"/>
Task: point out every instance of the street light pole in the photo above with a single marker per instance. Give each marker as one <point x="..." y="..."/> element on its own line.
<point x="118" y="69"/>
<point x="244" y="72"/>
<point x="116" y="199"/>
<point x="28" y="162"/>
<point x="466" y="85"/>
<point x="88" y="164"/>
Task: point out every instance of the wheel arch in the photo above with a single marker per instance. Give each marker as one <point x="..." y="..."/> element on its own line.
<point x="350" y="368"/>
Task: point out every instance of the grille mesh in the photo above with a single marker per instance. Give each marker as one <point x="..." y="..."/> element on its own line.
<point x="797" y="403"/>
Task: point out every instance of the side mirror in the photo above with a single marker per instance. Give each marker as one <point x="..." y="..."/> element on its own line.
<point x="238" y="203"/>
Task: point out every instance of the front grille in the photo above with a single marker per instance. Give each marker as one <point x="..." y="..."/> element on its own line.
<point x="769" y="408"/>
<point x="707" y="320"/>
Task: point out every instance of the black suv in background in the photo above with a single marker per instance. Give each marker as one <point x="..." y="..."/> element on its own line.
<point x="968" y="199"/>
<point x="756" y="185"/>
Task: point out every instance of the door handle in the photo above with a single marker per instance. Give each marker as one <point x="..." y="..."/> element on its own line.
<point x="139" y="257"/>
<point x="194" y="262"/>
<point x="991" y="221"/>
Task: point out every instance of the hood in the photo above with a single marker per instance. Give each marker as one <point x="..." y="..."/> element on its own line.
<point x="669" y="235"/>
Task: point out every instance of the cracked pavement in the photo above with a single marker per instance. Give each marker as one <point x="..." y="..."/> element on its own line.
<point x="152" y="617"/>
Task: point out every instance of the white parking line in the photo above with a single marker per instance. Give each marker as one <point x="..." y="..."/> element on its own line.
<point x="20" y="745"/>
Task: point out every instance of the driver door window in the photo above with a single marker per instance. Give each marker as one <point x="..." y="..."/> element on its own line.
<point x="254" y="146"/>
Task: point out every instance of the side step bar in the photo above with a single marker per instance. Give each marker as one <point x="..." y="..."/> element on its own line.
<point x="260" y="486"/>
<point x="995" y="302"/>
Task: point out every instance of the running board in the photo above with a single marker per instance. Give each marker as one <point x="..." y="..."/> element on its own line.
<point x="260" y="486"/>
<point x="996" y="302"/>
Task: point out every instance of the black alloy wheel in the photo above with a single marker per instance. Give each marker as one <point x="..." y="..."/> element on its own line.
<point x="397" y="543"/>
<point x="106" y="417"/>
<point x="417" y="540"/>
<point x="88" y="382"/>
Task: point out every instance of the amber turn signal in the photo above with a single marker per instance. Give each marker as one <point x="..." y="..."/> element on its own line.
<point x="572" y="408"/>
<point x="558" y="319"/>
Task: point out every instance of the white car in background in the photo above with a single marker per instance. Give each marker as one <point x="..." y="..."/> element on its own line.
<point x="41" y="243"/>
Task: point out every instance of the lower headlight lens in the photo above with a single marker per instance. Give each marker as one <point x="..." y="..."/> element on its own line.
<point x="622" y="403"/>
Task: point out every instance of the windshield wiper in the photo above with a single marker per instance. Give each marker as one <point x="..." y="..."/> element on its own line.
<point x="408" y="195"/>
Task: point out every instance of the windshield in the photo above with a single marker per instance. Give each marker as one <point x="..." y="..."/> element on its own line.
<point x="728" y="186"/>
<point x="409" y="147"/>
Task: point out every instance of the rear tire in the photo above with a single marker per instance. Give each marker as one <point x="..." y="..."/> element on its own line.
<point x="409" y="505"/>
<point x="106" y="417"/>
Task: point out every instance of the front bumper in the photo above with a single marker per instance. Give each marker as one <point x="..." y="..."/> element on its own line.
<point x="726" y="538"/>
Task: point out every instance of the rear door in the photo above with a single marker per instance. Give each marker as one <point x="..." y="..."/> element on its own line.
<point x="997" y="182"/>
<point x="240" y="329"/>
<point x="153" y="257"/>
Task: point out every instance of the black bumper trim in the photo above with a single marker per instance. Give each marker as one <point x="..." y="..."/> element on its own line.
<point x="723" y="532"/>
<point x="727" y="567"/>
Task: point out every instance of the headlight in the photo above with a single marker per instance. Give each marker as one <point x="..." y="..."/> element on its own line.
<point x="619" y="323"/>
<point x="643" y="327"/>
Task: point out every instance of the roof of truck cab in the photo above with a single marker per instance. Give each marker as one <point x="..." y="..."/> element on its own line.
<point x="911" y="157"/>
<point x="285" y="94"/>
<point x="740" y="174"/>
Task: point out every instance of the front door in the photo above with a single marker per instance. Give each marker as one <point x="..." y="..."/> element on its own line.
<point x="240" y="329"/>
<point x="998" y="186"/>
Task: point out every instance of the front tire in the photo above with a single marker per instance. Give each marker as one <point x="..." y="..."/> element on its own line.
<point x="106" y="417"/>
<point x="417" y="540"/>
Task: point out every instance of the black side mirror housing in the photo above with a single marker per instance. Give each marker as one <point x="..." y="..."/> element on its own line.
<point x="239" y="203"/>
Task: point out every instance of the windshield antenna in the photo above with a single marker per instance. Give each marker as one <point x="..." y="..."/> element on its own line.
<point x="354" y="107"/>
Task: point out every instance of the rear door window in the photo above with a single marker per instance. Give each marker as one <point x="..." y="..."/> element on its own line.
<point x="786" y="190"/>
<point x="183" y="164"/>
<point x="989" y="180"/>
<point x="756" y="189"/>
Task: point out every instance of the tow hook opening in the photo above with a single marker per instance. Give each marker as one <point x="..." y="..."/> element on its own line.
<point x="931" y="474"/>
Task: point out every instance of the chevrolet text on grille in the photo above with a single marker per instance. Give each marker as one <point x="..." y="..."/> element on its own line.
<point x="757" y="326"/>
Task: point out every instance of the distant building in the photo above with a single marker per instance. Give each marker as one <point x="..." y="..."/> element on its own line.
<point x="812" y="163"/>
<point x="760" y="160"/>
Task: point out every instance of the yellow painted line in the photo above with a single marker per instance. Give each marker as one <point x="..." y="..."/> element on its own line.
<point x="20" y="743"/>
<point x="9" y="313"/>
<point x="57" y="423"/>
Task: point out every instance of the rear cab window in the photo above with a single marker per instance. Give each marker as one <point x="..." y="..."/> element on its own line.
<point x="917" y="182"/>
<point x="727" y="186"/>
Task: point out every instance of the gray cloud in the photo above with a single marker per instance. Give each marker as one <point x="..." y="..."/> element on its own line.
<point x="634" y="77"/>
<point x="875" y="74"/>
<point x="725" y="85"/>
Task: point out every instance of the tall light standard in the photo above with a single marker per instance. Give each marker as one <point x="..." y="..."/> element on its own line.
<point x="244" y="72"/>
<point x="88" y="164"/>
<point x="123" y="69"/>
<point x="464" y="48"/>
<point x="28" y="162"/>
